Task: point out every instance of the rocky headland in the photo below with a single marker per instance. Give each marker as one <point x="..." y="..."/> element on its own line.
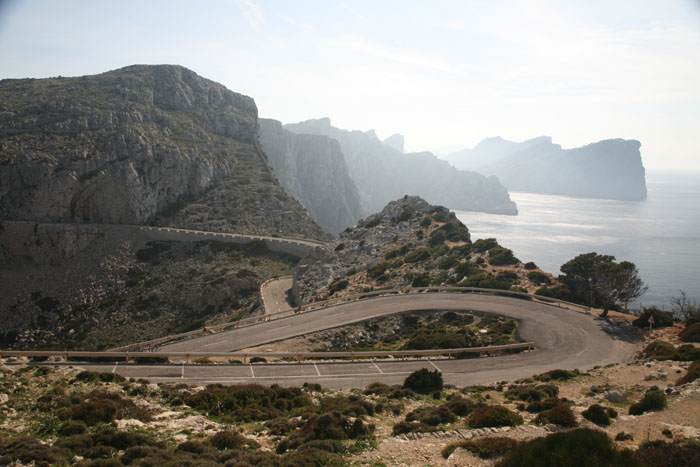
<point x="383" y="173"/>
<point x="610" y="169"/>
<point x="409" y="243"/>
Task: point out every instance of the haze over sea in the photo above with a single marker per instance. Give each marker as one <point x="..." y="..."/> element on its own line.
<point x="661" y="234"/>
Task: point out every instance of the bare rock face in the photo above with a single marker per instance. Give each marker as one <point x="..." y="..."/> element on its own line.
<point x="116" y="147"/>
<point x="383" y="173"/>
<point x="395" y="141"/>
<point x="312" y="169"/>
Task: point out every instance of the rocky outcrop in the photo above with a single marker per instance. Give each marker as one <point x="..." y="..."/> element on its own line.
<point x="383" y="173"/>
<point x="312" y="169"/>
<point x="610" y="169"/>
<point x="395" y="141"/>
<point x="131" y="144"/>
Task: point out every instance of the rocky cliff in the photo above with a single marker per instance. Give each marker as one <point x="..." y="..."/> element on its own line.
<point x="383" y="173"/>
<point x="609" y="169"/>
<point x="409" y="243"/>
<point x="137" y="144"/>
<point x="312" y="169"/>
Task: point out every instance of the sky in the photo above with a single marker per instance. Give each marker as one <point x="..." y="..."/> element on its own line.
<point x="445" y="74"/>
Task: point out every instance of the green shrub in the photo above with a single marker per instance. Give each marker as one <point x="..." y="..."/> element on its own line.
<point x="485" y="448"/>
<point x="665" y="454"/>
<point x="499" y="256"/>
<point x="493" y="416"/>
<point x="537" y="277"/>
<point x="27" y="449"/>
<point x="691" y="374"/>
<point x="575" y="448"/>
<point x="228" y="440"/>
<point x="404" y="427"/>
<point x="530" y="266"/>
<point x="654" y="399"/>
<point x="98" y="377"/>
<point x="690" y="333"/>
<point x="311" y="458"/>
<point x="338" y="285"/>
<point x="597" y="414"/>
<point x="560" y="415"/>
<point x="557" y="375"/>
<point x="424" y="381"/>
<point x="541" y="406"/>
<point x="660" y="350"/>
<point x="661" y="318"/>
<point x="432" y="416"/>
<point x="339" y="247"/>
<point x="532" y="393"/>
<point x="378" y="269"/>
<point x="247" y="403"/>
<point x="425" y="222"/>
<point x="437" y="237"/>
<point x="418" y="255"/>
<point x="73" y="427"/>
<point x="484" y="244"/>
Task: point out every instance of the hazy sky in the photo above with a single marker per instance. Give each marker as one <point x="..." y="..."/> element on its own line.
<point x="445" y="74"/>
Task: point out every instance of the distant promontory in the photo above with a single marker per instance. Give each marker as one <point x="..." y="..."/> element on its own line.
<point x="609" y="169"/>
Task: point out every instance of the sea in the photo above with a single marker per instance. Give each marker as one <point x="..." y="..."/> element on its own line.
<point x="661" y="234"/>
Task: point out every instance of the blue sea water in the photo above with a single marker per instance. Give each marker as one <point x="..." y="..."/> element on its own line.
<point x="661" y="234"/>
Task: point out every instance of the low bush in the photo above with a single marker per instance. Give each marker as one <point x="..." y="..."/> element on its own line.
<point x="418" y="255"/>
<point x="597" y="414"/>
<point x="392" y="392"/>
<point x="486" y="448"/>
<point x="557" y="375"/>
<point x="338" y="285"/>
<point x="499" y="256"/>
<point x="559" y="292"/>
<point x="424" y="381"/>
<point x="532" y="393"/>
<point x="530" y="266"/>
<point x="665" y="454"/>
<point x="484" y="244"/>
<point x="328" y="426"/>
<point x="247" y="403"/>
<point x="99" y="377"/>
<point x="654" y="399"/>
<point x="537" y="277"/>
<point x="27" y="449"/>
<point x="580" y="447"/>
<point x="542" y="405"/>
<point x="691" y="374"/>
<point x="661" y="318"/>
<point x="432" y="416"/>
<point x="230" y="440"/>
<point x="560" y="415"/>
<point x="404" y="427"/>
<point x="493" y="416"/>
<point x="690" y="333"/>
<point x="72" y="427"/>
<point x="660" y="350"/>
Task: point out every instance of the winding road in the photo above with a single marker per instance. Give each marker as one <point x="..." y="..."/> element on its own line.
<point x="564" y="339"/>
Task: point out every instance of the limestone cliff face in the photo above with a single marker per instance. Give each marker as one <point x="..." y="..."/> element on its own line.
<point x="383" y="173"/>
<point x="125" y="146"/>
<point x="610" y="169"/>
<point x="312" y="169"/>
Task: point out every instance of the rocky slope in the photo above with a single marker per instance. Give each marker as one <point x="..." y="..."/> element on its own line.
<point x="610" y="169"/>
<point x="128" y="145"/>
<point x="95" y="286"/>
<point x="410" y="243"/>
<point x="383" y="173"/>
<point x="312" y="169"/>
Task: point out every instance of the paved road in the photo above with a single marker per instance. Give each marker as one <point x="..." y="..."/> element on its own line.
<point x="274" y="296"/>
<point x="564" y="339"/>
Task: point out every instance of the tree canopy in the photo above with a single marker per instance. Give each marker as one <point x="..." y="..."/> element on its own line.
<point x="597" y="280"/>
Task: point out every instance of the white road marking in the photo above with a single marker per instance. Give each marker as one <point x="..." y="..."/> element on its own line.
<point x="377" y="367"/>
<point x="583" y="331"/>
<point x="182" y="376"/>
<point x="434" y="365"/>
<point x="252" y="373"/>
<point x="316" y="368"/>
<point x="115" y="367"/>
<point x="237" y="378"/>
<point x="579" y="354"/>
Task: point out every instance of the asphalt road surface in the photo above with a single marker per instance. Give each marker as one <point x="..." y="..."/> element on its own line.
<point x="564" y="339"/>
<point x="275" y="296"/>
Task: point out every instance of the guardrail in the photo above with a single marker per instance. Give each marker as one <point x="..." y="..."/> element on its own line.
<point x="298" y="356"/>
<point x="333" y="302"/>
